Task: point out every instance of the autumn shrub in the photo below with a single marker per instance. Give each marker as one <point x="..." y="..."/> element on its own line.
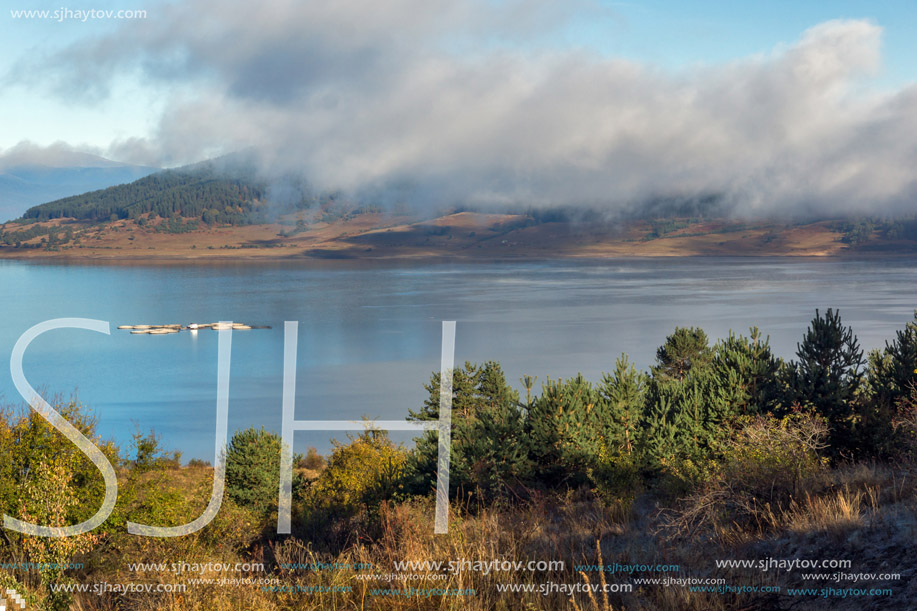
<point x="28" y="440"/>
<point x="8" y="581"/>
<point x="148" y="453"/>
<point x="768" y="462"/>
<point x="771" y="457"/>
<point x="359" y="476"/>
<point x="312" y="461"/>
<point x="47" y="497"/>
<point x="171" y="497"/>
<point x="46" y="480"/>
<point x="616" y="477"/>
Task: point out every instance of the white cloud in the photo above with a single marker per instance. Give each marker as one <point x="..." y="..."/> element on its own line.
<point x="364" y="95"/>
<point x="57" y="155"/>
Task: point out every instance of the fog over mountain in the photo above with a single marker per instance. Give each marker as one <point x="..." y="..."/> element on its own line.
<point x="31" y="175"/>
<point x="470" y="102"/>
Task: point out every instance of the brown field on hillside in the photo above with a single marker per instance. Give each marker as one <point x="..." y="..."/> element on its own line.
<point x="464" y="235"/>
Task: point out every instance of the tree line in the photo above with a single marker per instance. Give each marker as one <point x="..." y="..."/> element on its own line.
<point x="199" y="193"/>
<point x="675" y="420"/>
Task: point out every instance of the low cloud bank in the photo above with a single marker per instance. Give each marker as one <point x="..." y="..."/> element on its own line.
<point x="466" y="103"/>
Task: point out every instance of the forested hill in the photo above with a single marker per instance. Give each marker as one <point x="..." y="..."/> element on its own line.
<point x="227" y="205"/>
<point x="205" y="191"/>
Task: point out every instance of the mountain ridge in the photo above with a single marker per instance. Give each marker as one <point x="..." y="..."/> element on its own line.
<point x="26" y="182"/>
<point x="223" y="208"/>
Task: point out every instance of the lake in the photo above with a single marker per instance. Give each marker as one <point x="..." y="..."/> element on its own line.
<point x="369" y="337"/>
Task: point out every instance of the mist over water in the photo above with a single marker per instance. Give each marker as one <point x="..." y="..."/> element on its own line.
<point x="369" y="336"/>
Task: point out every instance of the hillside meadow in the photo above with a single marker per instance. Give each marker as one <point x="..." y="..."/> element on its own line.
<point x="373" y="234"/>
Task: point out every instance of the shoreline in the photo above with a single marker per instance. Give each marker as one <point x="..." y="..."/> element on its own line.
<point x="430" y="258"/>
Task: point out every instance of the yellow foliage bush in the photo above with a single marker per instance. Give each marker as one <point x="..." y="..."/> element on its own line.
<point x="359" y="476"/>
<point x="363" y="471"/>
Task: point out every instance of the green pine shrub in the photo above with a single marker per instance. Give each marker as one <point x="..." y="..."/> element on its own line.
<point x="569" y="426"/>
<point x="253" y="469"/>
<point x="696" y="397"/>
<point x="617" y="471"/>
<point x="491" y="449"/>
<point x="684" y="350"/>
<point x="888" y="401"/>
<point x="827" y="376"/>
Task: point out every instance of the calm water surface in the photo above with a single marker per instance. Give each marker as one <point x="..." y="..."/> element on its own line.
<point x="369" y="337"/>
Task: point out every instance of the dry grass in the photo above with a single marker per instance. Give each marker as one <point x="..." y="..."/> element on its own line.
<point x="866" y="513"/>
<point x="471" y="235"/>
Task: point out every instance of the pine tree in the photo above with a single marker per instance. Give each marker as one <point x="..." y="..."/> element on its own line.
<point x="896" y="372"/>
<point x="490" y="451"/>
<point x="684" y="349"/>
<point x="253" y="468"/>
<point x="690" y="410"/>
<point x="624" y="392"/>
<point x="658" y="437"/>
<point x="747" y="373"/>
<point x="569" y="424"/>
<point x="891" y="376"/>
<point x="828" y="375"/>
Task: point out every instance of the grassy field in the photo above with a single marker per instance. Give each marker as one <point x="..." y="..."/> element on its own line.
<point x="463" y="235"/>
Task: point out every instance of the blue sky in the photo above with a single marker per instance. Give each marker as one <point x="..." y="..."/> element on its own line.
<point x="776" y="104"/>
<point x="31" y="113"/>
<point x="678" y="34"/>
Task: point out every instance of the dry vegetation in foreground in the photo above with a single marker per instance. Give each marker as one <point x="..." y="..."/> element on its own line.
<point x="864" y="513"/>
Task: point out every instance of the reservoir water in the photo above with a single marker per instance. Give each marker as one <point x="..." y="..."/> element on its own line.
<point x="370" y="335"/>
